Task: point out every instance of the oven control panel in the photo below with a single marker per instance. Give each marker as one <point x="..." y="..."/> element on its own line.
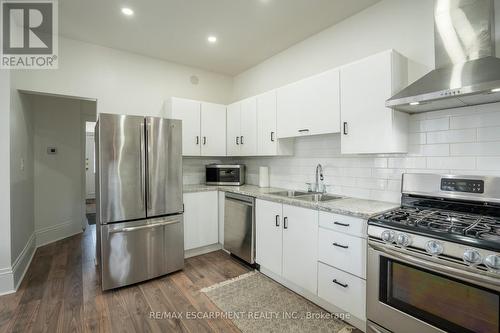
<point x="462" y="185"/>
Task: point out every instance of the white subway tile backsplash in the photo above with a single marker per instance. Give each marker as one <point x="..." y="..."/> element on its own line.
<point x="459" y="163"/>
<point x="452" y="136"/>
<point x="428" y="125"/>
<point x="407" y="162"/>
<point x="429" y="150"/>
<point x="417" y="138"/>
<point x="488" y="163"/>
<point x="475" y="149"/>
<point x="488" y="134"/>
<point x="476" y="120"/>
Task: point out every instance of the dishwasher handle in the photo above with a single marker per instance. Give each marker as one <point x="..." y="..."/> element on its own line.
<point x="241" y="199"/>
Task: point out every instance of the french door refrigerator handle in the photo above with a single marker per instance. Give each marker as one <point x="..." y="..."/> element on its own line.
<point x="145" y="226"/>
<point x="142" y="156"/>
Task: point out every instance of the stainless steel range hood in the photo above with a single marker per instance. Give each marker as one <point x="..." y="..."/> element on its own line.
<point x="467" y="71"/>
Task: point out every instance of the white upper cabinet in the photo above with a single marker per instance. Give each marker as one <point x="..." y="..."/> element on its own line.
<point x="310" y="106"/>
<point x="203" y="126"/>
<point x="267" y="140"/>
<point x="189" y="112"/>
<point x="248" y="136"/>
<point x="213" y="129"/>
<point x="233" y="129"/>
<point x="367" y="125"/>
<point x="242" y="128"/>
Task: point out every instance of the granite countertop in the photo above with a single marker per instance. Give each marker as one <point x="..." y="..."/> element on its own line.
<point x="347" y="206"/>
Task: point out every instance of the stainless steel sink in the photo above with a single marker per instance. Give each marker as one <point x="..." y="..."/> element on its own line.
<point x="290" y="194"/>
<point x="318" y="197"/>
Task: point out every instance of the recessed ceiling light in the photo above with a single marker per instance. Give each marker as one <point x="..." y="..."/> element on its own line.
<point x="212" y="39"/>
<point x="414" y="103"/>
<point x="127" y="11"/>
<point x="495" y="90"/>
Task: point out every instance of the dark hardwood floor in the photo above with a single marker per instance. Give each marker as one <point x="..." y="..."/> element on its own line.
<point x="61" y="293"/>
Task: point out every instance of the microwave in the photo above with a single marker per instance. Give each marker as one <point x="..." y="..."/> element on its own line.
<point x="225" y="174"/>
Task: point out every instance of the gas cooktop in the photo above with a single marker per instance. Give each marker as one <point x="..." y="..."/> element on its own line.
<point x="472" y="219"/>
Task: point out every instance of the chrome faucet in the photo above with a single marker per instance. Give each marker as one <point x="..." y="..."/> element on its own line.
<point x="319" y="177"/>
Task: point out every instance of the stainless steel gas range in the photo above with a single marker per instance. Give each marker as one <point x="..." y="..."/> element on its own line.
<point x="434" y="263"/>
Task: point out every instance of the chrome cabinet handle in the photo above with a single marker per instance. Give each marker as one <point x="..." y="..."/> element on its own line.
<point x="303" y="130"/>
<point x="204" y="140"/>
<point x="340" y="245"/>
<point x="285" y="223"/>
<point x="346" y="128"/>
<point x="241" y="139"/>
<point x="344" y="285"/>
<point x="272" y="136"/>
<point x="277" y="220"/>
<point x="341" y="224"/>
<point x="197" y="140"/>
<point x="237" y="140"/>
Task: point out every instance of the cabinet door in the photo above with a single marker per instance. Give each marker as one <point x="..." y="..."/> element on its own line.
<point x="367" y="123"/>
<point x="189" y="112"/>
<point x="233" y="129"/>
<point x="213" y="129"/>
<point x="300" y="239"/>
<point x="248" y="138"/>
<point x="268" y="229"/>
<point x="201" y="225"/>
<point x="288" y="109"/>
<point x="266" y="124"/>
<point x="322" y="99"/>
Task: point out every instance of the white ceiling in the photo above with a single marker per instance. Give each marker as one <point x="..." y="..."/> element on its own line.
<point x="248" y="31"/>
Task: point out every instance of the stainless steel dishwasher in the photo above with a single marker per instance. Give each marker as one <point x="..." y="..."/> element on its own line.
<point x="239" y="226"/>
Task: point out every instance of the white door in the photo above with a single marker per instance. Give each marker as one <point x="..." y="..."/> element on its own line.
<point x="248" y="137"/>
<point x="266" y="124"/>
<point x="365" y="86"/>
<point x="213" y="129"/>
<point x="201" y="225"/>
<point x="189" y="112"/>
<point x="90" y="166"/>
<point x="300" y="243"/>
<point x="268" y="230"/>
<point x="233" y="129"/>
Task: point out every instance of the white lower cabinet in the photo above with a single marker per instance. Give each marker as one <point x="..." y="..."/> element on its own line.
<point x="300" y="234"/>
<point x="286" y="242"/>
<point x="342" y="289"/>
<point x="343" y="251"/>
<point x="201" y="223"/>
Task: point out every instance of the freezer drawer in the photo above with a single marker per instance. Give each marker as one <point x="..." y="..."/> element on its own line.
<point x="136" y="251"/>
<point x="239" y="226"/>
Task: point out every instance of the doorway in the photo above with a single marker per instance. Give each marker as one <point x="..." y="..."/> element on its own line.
<point x="90" y="172"/>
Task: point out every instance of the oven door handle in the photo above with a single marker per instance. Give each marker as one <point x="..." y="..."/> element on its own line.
<point x="436" y="267"/>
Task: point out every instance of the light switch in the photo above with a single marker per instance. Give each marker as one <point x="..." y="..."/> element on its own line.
<point x="22" y="164"/>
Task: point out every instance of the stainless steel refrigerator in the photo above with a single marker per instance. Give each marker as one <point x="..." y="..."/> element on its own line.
<point x="140" y="228"/>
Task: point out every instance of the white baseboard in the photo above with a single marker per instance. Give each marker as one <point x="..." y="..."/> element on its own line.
<point x="202" y="250"/>
<point x="10" y="278"/>
<point x="6" y="281"/>
<point x="57" y="232"/>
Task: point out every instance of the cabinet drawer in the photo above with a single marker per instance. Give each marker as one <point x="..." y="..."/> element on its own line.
<point x="348" y="224"/>
<point x="343" y="251"/>
<point x="343" y="290"/>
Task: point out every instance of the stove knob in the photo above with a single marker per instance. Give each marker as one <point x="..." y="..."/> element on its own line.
<point x="434" y="248"/>
<point x="388" y="236"/>
<point x="403" y="240"/>
<point x="472" y="257"/>
<point x="493" y="262"/>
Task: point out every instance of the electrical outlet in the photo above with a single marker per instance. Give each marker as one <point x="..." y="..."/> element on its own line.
<point x="22" y="164"/>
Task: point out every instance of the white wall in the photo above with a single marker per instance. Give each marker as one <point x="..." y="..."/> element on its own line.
<point x="6" y="282"/>
<point x="59" y="188"/>
<point x="122" y="82"/>
<point x="21" y="174"/>
<point x="404" y="25"/>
